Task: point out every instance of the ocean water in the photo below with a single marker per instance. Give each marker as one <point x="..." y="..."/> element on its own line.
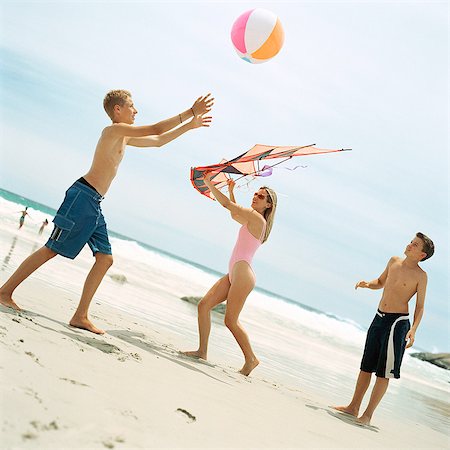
<point x="298" y="346"/>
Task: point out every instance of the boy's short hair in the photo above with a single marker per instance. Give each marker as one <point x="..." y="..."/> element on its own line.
<point x="113" y="98"/>
<point x="427" y="247"/>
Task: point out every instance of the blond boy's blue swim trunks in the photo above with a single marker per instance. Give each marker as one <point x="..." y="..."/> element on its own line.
<point x="79" y="221"/>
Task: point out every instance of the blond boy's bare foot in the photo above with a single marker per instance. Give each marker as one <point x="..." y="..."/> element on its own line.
<point x="347" y="410"/>
<point x="6" y="300"/>
<point x="248" y="367"/>
<point x="85" y="324"/>
<point x="363" y="420"/>
<point x="195" y="354"/>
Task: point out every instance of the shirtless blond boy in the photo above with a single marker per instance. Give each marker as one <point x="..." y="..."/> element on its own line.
<point x="79" y="219"/>
<point x="390" y="332"/>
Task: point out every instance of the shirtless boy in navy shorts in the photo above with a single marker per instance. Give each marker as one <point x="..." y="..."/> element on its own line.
<point x="390" y="332"/>
<point x="79" y="219"/>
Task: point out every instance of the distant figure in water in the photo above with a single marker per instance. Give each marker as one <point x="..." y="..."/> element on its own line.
<point x="79" y="220"/>
<point x="44" y="224"/>
<point x="22" y="218"/>
<point x="235" y="287"/>
<point x="390" y="332"/>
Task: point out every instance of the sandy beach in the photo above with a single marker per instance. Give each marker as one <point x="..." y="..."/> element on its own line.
<point x="330" y="117"/>
<point x="66" y="388"/>
<point x="63" y="387"/>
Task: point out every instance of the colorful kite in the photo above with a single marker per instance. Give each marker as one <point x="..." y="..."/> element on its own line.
<point x="250" y="163"/>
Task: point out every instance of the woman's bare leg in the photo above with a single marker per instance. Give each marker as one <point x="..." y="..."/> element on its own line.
<point x="217" y="294"/>
<point x="243" y="282"/>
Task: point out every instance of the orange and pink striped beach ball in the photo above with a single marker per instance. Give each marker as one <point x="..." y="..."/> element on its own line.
<point x="257" y="35"/>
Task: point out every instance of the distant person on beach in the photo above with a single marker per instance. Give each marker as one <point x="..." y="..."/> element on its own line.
<point x="22" y="218"/>
<point x="234" y="287"/>
<point x="79" y="219"/>
<point x="44" y="224"/>
<point x="390" y="332"/>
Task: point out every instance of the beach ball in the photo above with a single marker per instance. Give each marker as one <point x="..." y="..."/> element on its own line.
<point x="257" y="35"/>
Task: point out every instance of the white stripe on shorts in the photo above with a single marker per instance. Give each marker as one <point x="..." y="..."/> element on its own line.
<point x="390" y="355"/>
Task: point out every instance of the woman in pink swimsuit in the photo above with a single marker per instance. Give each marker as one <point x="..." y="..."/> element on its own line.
<point x="239" y="282"/>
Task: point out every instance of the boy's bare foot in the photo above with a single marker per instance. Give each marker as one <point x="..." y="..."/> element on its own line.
<point x="248" y="367"/>
<point x="363" y="420"/>
<point x="6" y="300"/>
<point x="347" y="410"/>
<point x="85" y="324"/>
<point x="195" y="354"/>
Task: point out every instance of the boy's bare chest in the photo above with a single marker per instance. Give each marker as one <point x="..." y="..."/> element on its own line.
<point x="116" y="155"/>
<point x="110" y="152"/>
<point x="113" y="155"/>
<point x="118" y="150"/>
<point x="402" y="278"/>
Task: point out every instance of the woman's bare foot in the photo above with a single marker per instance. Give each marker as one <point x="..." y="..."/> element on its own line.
<point x="347" y="410"/>
<point x="85" y="324"/>
<point x="195" y="354"/>
<point x="363" y="420"/>
<point x="248" y="367"/>
<point x="6" y="300"/>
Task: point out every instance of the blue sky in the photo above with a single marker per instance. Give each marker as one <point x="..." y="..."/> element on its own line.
<point x="371" y="76"/>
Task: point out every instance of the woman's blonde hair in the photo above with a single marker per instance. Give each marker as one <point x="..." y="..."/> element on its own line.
<point x="269" y="213"/>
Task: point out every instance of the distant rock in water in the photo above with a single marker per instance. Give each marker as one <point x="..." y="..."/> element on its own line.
<point x="118" y="278"/>
<point x="220" y="308"/>
<point x="438" y="359"/>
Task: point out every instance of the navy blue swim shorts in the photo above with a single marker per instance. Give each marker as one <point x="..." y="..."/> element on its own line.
<point x="79" y="221"/>
<point x="385" y="344"/>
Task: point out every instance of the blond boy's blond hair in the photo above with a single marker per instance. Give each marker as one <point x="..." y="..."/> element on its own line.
<point x="113" y="98"/>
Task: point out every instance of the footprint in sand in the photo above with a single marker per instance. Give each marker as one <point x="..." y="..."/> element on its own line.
<point x="190" y="418"/>
<point x="36" y="360"/>
<point x="128" y="413"/>
<point x="29" y="436"/>
<point x="38" y="426"/>
<point x="316" y="408"/>
<point x="74" y="382"/>
<point x="136" y="356"/>
<point x="33" y="394"/>
<point x="44" y="427"/>
<point x="110" y="444"/>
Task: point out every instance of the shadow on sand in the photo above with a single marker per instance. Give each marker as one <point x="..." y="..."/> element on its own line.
<point x="347" y="418"/>
<point x="139" y="340"/>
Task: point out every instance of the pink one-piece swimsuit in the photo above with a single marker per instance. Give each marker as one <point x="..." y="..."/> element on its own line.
<point x="245" y="247"/>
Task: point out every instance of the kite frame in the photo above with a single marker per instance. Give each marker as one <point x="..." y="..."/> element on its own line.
<point x="198" y="172"/>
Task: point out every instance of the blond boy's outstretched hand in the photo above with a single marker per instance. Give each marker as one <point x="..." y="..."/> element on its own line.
<point x="201" y="121"/>
<point x="202" y="105"/>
